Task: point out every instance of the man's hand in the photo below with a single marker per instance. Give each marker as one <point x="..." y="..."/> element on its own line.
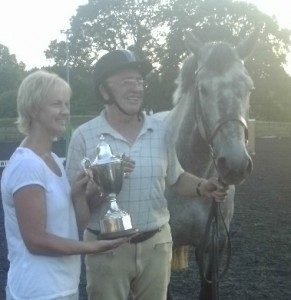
<point x="128" y="165"/>
<point x="212" y="188"/>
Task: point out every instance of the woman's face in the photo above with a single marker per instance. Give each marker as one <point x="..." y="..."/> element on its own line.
<point x="53" y="113"/>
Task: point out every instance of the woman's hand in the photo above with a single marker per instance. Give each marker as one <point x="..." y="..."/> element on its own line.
<point x="80" y="183"/>
<point x="104" y="245"/>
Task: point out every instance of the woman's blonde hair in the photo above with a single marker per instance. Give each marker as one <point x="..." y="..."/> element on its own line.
<point x="34" y="91"/>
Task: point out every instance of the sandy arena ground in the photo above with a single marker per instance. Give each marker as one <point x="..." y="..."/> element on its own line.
<point x="260" y="266"/>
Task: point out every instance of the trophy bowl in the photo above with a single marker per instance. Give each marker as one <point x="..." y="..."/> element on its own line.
<point x="109" y="176"/>
<point x="107" y="171"/>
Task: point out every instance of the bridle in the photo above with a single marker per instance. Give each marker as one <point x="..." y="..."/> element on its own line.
<point x="211" y="230"/>
<point x="205" y="131"/>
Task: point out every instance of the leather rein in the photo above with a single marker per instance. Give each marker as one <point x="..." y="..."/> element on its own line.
<point x="211" y="233"/>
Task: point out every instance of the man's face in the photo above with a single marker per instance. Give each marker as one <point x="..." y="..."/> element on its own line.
<point x="127" y="88"/>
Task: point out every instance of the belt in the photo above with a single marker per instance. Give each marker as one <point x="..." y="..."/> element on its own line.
<point x="144" y="236"/>
<point x="137" y="239"/>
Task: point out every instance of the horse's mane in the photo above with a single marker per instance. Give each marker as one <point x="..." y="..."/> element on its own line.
<point x="221" y="57"/>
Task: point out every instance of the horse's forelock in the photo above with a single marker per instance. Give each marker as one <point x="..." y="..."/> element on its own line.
<point x="221" y="57"/>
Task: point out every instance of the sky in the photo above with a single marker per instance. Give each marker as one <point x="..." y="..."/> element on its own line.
<point x="28" y="26"/>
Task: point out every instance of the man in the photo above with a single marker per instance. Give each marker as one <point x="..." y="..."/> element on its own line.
<point x="143" y="265"/>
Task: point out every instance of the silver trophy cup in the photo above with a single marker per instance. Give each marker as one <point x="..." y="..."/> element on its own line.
<point x="107" y="172"/>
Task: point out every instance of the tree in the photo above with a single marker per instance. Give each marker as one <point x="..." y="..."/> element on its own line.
<point x="83" y="100"/>
<point x="103" y="25"/>
<point x="11" y="74"/>
<point x="230" y="21"/>
<point x="155" y="29"/>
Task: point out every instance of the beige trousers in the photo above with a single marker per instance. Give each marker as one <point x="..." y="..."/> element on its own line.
<point x="143" y="268"/>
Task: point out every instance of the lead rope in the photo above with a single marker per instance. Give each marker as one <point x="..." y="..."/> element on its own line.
<point x="212" y="223"/>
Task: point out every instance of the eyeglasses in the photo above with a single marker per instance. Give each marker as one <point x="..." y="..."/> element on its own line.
<point x="130" y="83"/>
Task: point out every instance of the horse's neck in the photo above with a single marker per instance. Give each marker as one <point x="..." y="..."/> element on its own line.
<point x="193" y="152"/>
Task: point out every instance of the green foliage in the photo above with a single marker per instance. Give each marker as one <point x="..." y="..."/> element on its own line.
<point x="154" y="29"/>
<point x="8" y="107"/>
<point x="11" y="74"/>
<point x="83" y="100"/>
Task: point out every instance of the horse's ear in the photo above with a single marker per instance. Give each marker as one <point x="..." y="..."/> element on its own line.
<point x="247" y="46"/>
<point x="192" y="43"/>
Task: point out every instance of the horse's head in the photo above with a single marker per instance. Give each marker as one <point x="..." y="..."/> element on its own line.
<point x="216" y="78"/>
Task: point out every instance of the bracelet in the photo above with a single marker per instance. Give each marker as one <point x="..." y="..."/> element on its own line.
<point x="198" y="189"/>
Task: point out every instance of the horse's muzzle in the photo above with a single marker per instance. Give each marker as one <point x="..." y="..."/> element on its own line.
<point x="234" y="174"/>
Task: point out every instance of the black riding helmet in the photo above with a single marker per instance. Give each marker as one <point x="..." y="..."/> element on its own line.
<point x="114" y="61"/>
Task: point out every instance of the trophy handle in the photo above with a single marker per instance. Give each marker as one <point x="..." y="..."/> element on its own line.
<point x="121" y="157"/>
<point x="86" y="165"/>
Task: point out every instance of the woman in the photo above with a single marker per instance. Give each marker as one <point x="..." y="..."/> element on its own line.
<point x="40" y="209"/>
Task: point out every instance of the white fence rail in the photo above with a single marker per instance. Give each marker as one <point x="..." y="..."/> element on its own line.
<point x="256" y="129"/>
<point x="262" y="128"/>
<point x="278" y="129"/>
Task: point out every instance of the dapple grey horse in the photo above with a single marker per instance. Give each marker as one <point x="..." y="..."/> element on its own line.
<point x="208" y="123"/>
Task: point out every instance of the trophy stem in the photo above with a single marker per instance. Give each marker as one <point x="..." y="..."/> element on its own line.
<point x="116" y="222"/>
<point x="113" y="207"/>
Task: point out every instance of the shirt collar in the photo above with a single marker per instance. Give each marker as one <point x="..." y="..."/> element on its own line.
<point x="105" y="127"/>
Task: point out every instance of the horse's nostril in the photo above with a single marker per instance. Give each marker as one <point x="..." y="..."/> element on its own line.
<point x="233" y="173"/>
